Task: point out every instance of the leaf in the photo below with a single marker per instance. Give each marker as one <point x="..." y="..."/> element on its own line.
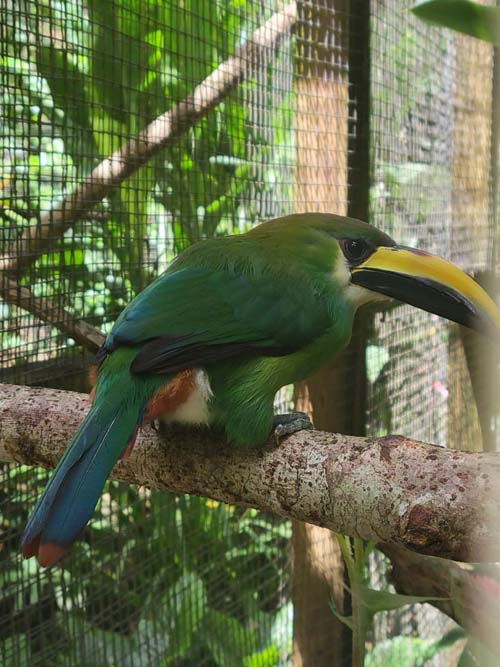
<point x="184" y="609"/>
<point x="447" y="641"/>
<point x="67" y="84"/>
<point x="412" y="651"/>
<point x="16" y="651"/>
<point x="463" y="16"/>
<point x="228" y="640"/>
<point x="399" y="651"/>
<point x="346" y="620"/>
<point x="450" y="638"/>
<point x="377" y="601"/>
<point x="376" y="358"/>
<point x="227" y="161"/>
<point x="269" y="657"/>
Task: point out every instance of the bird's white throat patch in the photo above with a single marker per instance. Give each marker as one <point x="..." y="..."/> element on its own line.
<point x="195" y="410"/>
<point x="357" y="295"/>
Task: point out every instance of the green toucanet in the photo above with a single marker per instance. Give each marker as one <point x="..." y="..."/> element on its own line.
<point x="230" y="322"/>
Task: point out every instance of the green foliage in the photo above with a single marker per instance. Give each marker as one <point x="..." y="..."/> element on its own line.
<point x="376" y="601"/>
<point x="470" y="18"/>
<point x="113" y="69"/>
<point x="410" y="651"/>
<point x="366" y="602"/>
<point x="216" y="591"/>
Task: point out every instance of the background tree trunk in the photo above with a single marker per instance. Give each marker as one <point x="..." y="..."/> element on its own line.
<point x="321" y="167"/>
<point x="331" y="176"/>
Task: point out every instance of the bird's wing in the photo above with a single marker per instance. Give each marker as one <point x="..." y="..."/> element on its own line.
<point x="195" y="316"/>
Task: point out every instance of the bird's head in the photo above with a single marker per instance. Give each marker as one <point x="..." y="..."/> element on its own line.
<point x="370" y="265"/>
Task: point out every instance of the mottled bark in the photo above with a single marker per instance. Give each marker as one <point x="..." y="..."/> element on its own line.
<point x="392" y="489"/>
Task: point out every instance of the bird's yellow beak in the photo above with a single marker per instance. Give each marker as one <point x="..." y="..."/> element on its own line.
<point x="431" y="283"/>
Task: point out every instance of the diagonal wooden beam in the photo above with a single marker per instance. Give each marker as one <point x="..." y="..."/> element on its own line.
<point x="161" y="132"/>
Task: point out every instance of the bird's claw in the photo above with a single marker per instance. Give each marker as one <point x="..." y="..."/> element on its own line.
<point x="290" y="423"/>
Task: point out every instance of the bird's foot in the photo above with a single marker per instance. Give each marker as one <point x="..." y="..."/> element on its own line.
<point x="290" y="423"/>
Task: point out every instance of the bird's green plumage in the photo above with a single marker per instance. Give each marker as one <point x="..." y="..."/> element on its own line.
<point x="247" y="314"/>
<point x="268" y="304"/>
<point x="255" y="312"/>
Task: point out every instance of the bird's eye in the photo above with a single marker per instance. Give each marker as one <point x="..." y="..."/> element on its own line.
<point x="355" y="250"/>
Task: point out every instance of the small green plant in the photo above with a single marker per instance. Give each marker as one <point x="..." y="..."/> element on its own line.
<point x="366" y="602"/>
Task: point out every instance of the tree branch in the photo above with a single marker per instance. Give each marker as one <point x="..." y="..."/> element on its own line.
<point x="157" y="135"/>
<point x="49" y="311"/>
<point x="393" y="490"/>
<point x="122" y="163"/>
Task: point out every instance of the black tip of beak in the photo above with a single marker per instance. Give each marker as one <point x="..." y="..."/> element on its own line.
<point x="429" y="295"/>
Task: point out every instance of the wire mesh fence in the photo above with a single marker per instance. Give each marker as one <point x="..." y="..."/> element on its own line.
<point x="79" y="80"/>
<point x="160" y="579"/>
<point x="430" y="188"/>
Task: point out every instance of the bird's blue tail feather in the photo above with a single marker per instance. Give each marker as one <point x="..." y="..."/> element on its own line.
<point x="72" y="493"/>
